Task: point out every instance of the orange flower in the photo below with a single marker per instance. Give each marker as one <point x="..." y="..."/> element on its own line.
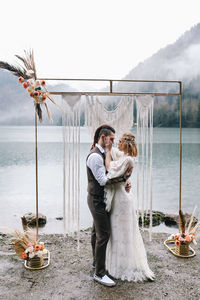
<point x="25" y="85"/>
<point x="29" y="90"/>
<point x="43" y="82"/>
<point x="41" y="246"/>
<point x="31" y="94"/>
<point x="20" y="79"/>
<point x="44" y="97"/>
<point x="188" y="239"/>
<point x="24" y="255"/>
<point x="176" y="237"/>
<point x="37" y="247"/>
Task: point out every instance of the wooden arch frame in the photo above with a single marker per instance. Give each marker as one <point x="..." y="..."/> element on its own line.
<point x="111" y="92"/>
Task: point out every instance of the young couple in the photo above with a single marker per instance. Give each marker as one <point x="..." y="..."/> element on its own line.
<point x="116" y="241"/>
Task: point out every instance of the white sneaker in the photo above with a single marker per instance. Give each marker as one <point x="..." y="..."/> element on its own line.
<point x="105" y="280"/>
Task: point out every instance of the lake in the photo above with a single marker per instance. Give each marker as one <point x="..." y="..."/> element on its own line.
<point x="17" y="173"/>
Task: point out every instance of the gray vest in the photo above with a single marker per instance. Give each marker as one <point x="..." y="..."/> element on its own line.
<point x="94" y="188"/>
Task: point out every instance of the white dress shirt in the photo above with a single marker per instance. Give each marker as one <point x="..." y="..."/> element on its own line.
<point x="96" y="164"/>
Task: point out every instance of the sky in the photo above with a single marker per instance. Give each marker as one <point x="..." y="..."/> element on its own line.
<point x="92" y="38"/>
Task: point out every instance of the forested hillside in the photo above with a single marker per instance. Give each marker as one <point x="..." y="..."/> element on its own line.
<point x="179" y="61"/>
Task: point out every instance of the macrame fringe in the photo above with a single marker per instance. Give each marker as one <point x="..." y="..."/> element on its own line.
<point x="121" y="118"/>
<point x="145" y="145"/>
<point x="71" y="111"/>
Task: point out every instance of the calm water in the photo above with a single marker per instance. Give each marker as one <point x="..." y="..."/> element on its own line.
<point x="17" y="173"/>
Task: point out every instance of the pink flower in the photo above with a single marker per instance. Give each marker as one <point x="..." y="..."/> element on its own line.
<point x="32" y="94"/>
<point x="20" y="79"/>
<point x="30" y="244"/>
<point x="37" y="83"/>
<point x="36" y="94"/>
<point x="28" y="82"/>
<point x="30" y="249"/>
<point x="177" y="243"/>
<point x="181" y="239"/>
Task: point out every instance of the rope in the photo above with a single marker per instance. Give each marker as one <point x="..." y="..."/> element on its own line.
<point x="145" y="118"/>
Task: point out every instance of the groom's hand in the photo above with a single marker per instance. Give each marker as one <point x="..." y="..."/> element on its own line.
<point x="128" y="186"/>
<point x="128" y="173"/>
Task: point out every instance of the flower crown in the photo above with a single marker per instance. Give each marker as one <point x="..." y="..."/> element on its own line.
<point x="128" y="139"/>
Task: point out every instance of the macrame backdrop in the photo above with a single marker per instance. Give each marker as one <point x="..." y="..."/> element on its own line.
<point x="71" y="110"/>
<point x="145" y="145"/>
<point x="121" y="118"/>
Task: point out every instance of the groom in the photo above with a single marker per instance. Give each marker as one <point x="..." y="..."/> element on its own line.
<point x="96" y="173"/>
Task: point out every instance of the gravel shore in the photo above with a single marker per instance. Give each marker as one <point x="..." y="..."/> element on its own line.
<point x="69" y="275"/>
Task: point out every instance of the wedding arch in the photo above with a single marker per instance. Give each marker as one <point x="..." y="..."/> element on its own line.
<point x="93" y="118"/>
<point x="120" y="116"/>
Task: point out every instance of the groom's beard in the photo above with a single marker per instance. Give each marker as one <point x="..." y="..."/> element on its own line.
<point x="104" y="145"/>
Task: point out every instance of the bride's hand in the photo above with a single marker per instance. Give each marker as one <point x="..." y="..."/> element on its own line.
<point x="108" y="144"/>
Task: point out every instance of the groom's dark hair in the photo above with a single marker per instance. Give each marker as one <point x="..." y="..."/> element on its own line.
<point x="103" y="129"/>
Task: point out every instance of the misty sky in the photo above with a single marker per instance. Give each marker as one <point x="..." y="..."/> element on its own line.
<point x="90" y="38"/>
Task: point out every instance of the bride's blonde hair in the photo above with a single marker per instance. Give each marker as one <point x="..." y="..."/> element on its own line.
<point x="129" y="145"/>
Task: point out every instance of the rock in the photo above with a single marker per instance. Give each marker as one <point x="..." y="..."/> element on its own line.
<point x="157" y="218"/>
<point x="59" y="218"/>
<point x="173" y="219"/>
<point x="169" y="219"/>
<point x="31" y="219"/>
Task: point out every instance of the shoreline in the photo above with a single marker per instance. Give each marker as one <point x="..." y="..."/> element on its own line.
<point x="69" y="275"/>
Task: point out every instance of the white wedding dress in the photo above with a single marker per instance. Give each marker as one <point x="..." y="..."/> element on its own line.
<point x="126" y="256"/>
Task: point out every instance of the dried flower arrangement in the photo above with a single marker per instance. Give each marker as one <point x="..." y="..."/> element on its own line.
<point x="27" y="76"/>
<point x="186" y="236"/>
<point x="25" y="244"/>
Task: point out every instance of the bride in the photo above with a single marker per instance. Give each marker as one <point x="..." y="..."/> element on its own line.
<point x="126" y="256"/>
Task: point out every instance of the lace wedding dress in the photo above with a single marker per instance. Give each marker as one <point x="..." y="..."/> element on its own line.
<point x="126" y="256"/>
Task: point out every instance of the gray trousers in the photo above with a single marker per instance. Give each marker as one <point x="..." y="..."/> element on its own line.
<point x="100" y="232"/>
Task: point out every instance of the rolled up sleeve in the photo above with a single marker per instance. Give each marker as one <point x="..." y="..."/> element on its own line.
<point x="96" y="165"/>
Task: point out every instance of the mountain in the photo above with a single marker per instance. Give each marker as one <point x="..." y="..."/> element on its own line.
<point x="179" y="61"/>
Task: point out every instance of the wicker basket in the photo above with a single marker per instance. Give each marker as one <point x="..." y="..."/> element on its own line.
<point x="36" y="262"/>
<point x="182" y="249"/>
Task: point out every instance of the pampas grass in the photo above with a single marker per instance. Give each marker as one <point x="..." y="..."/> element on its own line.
<point x="183" y="222"/>
<point x="21" y="241"/>
<point x="191" y="219"/>
<point x="26" y="71"/>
